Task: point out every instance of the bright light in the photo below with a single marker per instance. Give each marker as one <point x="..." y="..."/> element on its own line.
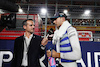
<point x="87" y="12"/>
<point x="43" y="10"/>
<point x="20" y="10"/>
<point x="1" y="11"/>
<point x="65" y="11"/>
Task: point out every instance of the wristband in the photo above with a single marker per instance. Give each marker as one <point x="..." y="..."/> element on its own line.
<point x="51" y="53"/>
<point x="42" y="45"/>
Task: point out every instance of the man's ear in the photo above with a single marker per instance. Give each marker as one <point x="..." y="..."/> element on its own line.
<point x="63" y="18"/>
<point x="24" y="26"/>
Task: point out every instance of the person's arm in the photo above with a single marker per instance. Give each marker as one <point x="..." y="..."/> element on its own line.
<point x="44" y="41"/>
<point x="13" y="64"/>
<point x="53" y="53"/>
<point x="74" y="41"/>
<point x="76" y="51"/>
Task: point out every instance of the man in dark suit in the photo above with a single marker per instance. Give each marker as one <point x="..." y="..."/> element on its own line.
<point x="29" y="47"/>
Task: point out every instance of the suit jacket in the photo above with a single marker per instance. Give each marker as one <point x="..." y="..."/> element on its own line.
<point x="34" y="52"/>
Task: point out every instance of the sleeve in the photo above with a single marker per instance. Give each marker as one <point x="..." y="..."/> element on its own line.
<point x="74" y="41"/>
<point x="13" y="64"/>
<point x="41" y="49"/>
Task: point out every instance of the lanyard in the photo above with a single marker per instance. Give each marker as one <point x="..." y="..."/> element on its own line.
<point x="27" y="48"/>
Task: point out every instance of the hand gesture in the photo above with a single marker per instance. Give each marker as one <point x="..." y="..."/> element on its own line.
<point x="44" y="41"/>
<point x="53" y="53"/>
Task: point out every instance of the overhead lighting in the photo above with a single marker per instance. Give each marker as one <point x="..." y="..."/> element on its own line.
<point x="43" y="10"/>
<point x="65" y="11"/>
<point x="20" y="10"/>
<point x="87" y="12"/>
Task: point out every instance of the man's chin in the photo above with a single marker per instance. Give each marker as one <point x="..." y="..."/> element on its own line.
<point x="31" y="32"/>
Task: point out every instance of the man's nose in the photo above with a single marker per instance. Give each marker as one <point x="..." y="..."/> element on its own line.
<point x="33" y="26"/>
<point x="54" y="21"/>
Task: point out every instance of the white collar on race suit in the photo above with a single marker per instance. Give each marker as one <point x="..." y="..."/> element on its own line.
<point x="61" y="31"/>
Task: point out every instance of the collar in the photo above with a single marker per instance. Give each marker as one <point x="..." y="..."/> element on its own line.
<point x="61" y="31"/>
<point x="29" y="36"/>
<point x="63" y="28"/>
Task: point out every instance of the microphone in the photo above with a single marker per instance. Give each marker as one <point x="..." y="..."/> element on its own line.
<point x="52" y="62"/>
<point x="51" y="31"/>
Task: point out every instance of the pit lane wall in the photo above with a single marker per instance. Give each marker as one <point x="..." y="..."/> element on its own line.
<point x="90" y="53"/>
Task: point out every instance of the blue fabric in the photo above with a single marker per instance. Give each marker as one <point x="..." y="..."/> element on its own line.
<point x="63" y="60"/>
<point x="65" y="45"/>
<point x="64" y="39"/>
<point x="65" y="51"/>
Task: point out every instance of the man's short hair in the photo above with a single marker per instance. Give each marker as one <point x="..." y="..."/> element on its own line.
<point x="25" y="21"/>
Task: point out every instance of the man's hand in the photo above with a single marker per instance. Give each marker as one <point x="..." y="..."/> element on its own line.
<point x="44" y="41"/>
<point x="54" y="54"/>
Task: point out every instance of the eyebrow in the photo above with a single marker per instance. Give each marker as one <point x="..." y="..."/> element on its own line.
<point x="32" y="24"/>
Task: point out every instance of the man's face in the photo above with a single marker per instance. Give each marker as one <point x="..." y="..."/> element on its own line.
<point x="57" y="21"/>
<point x="29" y="27"/>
